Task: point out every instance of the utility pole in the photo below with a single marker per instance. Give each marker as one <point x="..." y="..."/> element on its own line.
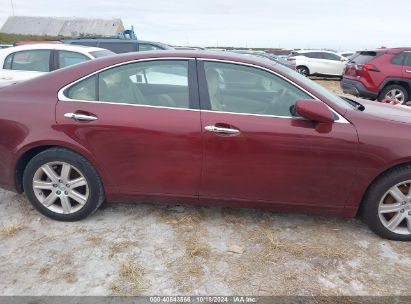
<point x="12" y="7"/>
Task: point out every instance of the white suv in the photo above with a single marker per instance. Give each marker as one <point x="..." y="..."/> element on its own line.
<point x="321" y="63"/>
<point x="31" y="60"/>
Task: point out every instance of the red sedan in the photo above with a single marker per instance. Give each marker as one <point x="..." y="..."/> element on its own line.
<point x="201" y="127"/>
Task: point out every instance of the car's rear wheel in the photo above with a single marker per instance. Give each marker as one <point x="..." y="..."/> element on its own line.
<point x="62" y="185"/>
<point x="303" y="70"/>
<point x="387" y="205"/>
<point x="394" y="92"/>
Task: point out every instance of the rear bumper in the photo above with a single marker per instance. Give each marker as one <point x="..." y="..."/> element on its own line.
<point x="356" y="88"/>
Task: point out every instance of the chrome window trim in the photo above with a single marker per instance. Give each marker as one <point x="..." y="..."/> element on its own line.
<point x="62" y="97"/>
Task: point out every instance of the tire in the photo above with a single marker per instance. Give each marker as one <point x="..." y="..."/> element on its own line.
<point x="303" y="70"/>
<point x="378" y="197"/>
<point x="394" y="88"/>
<point x="75" y="190"/>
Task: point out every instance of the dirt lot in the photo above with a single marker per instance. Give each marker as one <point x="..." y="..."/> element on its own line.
<point x="146" y="249"/>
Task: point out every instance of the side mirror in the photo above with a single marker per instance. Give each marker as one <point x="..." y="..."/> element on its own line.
<point x="343" y="59"/>
<point x="314" y="110"/>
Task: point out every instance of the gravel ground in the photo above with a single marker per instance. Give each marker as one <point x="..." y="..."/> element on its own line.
<point x="148" y="249"/>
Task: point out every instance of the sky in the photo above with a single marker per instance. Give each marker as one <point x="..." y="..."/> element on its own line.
<point x="341" y="25"/>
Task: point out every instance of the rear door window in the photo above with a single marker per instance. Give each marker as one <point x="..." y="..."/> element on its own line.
<point x="153" y="83"/>
<point x="66" y="58"/>
<point x="119" y="47"/>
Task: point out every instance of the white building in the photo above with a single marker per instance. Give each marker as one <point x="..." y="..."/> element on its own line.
<point x="61" y="26"/>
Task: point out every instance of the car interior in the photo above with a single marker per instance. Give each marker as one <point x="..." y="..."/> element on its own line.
<point x="238" y="89"/>
<point x="232" y="88"/>
<point x="157" y="85"/>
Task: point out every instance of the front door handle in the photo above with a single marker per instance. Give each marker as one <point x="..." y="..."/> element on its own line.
<point x="80" y="117"/>
<point x="407" y="71"/>
<point x="222" y="130"/>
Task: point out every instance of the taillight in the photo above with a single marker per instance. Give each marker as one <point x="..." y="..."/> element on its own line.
<point x="366" y="68"/>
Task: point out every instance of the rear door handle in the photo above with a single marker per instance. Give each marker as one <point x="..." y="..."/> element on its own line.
<point x="80" y="117"/>
<point x="407" y="71"/>
<point x="222" y="130"/>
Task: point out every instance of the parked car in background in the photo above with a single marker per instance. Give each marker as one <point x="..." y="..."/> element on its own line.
<point x="32" y="60"/>
<point x="281" y="53"/>
<point x="346" y="54"/>
<point x="379" y="74"/>
<point x="318" y="62"/>
<point x="18" y="43"/>
<point x="127" y="127"/>
<point x="267" y="57"/>
<point x="5" y="46"/>
<point x="120" y="45"/>
<point x="189" y="48"/>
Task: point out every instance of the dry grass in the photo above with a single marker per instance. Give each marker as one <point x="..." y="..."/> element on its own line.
<point x="94" y="240"/>
<point x="131" y="272"/>
<point x="190" y="217"/>
<point x="11" y="229"/>
<point x="195" y="249"/>
<point x="82" y="229"/>
<point x="291" y="275"/>
<point x="272" y="246"/>
<point x="330" y="84"/>
<point x="123" y="246"/>
<point x="69" y="277"/>
<point x="188" y="274"/>
<point x="131" y="280"/>
<point x="117" y="290"/>
<point x="44" y="270"/>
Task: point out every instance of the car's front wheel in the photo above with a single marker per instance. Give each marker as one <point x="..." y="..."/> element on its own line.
<point x="387" y="205"/>
<point x="62" y="185"/>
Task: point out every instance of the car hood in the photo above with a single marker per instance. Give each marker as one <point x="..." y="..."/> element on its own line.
<point x="397" y="113"/>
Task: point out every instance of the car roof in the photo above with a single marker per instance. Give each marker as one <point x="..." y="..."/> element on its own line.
<point x="310" y="51"/>
<point x="51" y="46"/>
<point x="114" y="40"/>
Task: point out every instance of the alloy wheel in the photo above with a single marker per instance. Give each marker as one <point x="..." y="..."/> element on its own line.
<point x="394" y="209"/>
<point x="395" y="94"/>
<point x="60" y="187"/>
<point x="303" y="71"/>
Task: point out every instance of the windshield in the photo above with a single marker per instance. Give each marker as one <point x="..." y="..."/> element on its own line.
<point x="102" y="53"/>
<point x="317" y="88"/>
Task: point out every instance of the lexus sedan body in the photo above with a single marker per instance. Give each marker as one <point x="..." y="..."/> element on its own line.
<point x="159" y="126"/>
<point x="32" y="60"/>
